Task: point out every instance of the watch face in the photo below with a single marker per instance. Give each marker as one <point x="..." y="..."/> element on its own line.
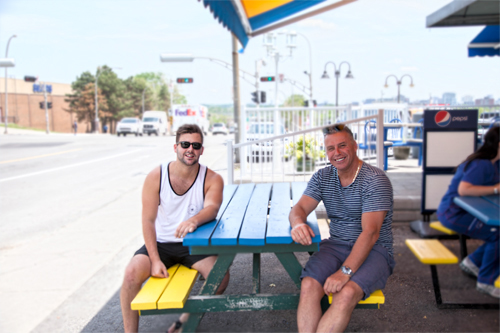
<point x="346" y="270"/>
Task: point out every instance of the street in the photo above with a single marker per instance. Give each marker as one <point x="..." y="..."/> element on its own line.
<point x="69" y="204"/>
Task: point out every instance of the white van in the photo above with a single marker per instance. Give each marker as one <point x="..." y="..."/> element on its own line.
<point x="154" y="122"/>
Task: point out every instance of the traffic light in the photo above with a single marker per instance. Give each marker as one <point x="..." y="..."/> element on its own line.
<point x="49" y="105"/>
<point x="262" y="96"/>
<point x="306" y="103"/>
<point x="255" y="97"/>
<point x="30" y="78"/>
<point x="267" y="79"/>
<point x="184" y="80"/>
<point x="42" y="105"/>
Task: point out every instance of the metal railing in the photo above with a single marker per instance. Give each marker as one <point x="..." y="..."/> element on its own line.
<point x="298" y="154"/>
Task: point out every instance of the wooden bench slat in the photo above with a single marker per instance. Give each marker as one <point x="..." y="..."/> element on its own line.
<point x="278" y="227"/>
<point x="228" y="229"/>
<point x="298" y="189"/>
<point x="439" y="226"/>
<point x="376" y="297"/>
<point x="204" y="232"/>
<point x="497" y="282"/>
<point x="253" y="230"/>
<point x="431" y="251"/>
<point x="177" y="291"/>
<point x="152" y="290"/>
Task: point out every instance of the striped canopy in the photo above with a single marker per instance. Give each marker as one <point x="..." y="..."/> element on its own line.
<point x="487" y="43"/>
<point x="248" y="18"/>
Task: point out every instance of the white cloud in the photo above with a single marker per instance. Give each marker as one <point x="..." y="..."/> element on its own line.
<point x="318" y="23"/>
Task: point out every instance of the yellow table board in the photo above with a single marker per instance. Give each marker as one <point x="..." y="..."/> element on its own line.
<point x="376" y="297"/>
<point x="431" y="251"/>
<point x="177" y="291"/>
<point x="438" y="226"/>
<point x="497" y="282"/>
<point x="148" y="296"/>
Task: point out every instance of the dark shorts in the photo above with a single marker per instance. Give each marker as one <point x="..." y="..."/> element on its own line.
<point x="174" y="253"/>
<point x="371" y="276"/>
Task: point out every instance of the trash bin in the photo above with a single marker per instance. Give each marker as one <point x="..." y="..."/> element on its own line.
<point x="415" y="118"/>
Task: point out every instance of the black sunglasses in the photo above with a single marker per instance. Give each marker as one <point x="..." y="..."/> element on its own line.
<point x="186" y="144"/>
<point x="333" y="129"/>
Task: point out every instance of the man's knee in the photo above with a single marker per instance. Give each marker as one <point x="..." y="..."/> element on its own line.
<point x="137" y="271"/>
<point x="310" y="287"/>
<point x="348" y="297"/>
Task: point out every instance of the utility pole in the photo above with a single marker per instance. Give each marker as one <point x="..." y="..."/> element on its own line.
<point x="236" y="95"/>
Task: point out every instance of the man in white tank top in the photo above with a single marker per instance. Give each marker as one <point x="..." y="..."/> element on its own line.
<point x="176" y="199"/>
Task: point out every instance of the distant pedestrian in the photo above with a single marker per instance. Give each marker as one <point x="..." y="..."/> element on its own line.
<point x="105" y="128"/>
<point x="75" y="127"/>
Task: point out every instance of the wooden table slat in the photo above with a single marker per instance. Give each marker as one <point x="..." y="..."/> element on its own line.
<point x="278" y="227"/>
<point x="253" y="230"/>
<point x="228" y="228"/>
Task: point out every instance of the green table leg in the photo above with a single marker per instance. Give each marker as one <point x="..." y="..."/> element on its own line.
<point x="291" y="265"/>
<point x="256" y="274"/>
<point x="210" y="287"/>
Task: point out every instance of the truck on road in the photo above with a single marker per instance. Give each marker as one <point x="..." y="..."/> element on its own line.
<point x="154" y="122"/>
<point x="181" y="114"/>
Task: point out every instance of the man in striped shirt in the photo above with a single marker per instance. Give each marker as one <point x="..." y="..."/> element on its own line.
<point x="357" y="259"/>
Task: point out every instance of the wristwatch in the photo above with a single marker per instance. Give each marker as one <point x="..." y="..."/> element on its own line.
<point x="495" y="190"/>
<point x="346" y="270"/>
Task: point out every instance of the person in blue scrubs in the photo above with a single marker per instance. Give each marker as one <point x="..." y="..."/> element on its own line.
<point x="478" y="175"/>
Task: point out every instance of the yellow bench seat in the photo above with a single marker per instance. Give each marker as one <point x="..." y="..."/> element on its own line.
<point x="431" y="251"/>
<point x="376" y="297"/>
<point x="166" y="293"/>
<point x="439" y="226"/>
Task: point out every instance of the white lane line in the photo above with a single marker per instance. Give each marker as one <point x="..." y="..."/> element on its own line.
<point x="67" y="166"/>
<point x="40" y="156"/>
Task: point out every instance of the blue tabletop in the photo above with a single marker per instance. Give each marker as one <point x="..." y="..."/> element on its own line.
<point x="253" y="215"/>
<point x="486" y="208"/>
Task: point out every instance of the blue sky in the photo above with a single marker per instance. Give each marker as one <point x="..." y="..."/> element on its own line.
<point x="58" y="40"/>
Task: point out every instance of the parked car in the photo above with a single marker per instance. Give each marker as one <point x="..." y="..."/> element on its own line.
<point x="219" y="128"/>
<point x="129" y="126"/>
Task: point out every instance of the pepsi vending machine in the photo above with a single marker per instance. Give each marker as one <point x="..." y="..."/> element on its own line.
<point x="449" y="137"/>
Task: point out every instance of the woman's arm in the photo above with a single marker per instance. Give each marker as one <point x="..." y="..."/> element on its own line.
<point x="468" y="189"/>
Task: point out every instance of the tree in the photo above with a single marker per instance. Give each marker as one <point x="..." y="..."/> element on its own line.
<point x="82" y="102"/>
<point x="294" y="100"/>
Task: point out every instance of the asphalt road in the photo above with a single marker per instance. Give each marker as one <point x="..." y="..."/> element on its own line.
<point x="69" y="205"/>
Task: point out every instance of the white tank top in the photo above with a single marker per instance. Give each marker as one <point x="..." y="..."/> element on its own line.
<point x="176" y="208"/>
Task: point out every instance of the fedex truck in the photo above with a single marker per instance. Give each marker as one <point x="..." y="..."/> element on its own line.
<point x="182" y="114"/>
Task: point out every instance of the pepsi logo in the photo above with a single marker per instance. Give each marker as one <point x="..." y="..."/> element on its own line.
<point x="442" y="118"/>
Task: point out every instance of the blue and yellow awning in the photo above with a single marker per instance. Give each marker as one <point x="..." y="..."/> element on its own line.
<point x="248" y="18"/>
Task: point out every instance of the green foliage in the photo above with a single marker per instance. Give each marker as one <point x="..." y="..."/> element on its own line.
<point x="311" y="149"/>
<point x="294" y="100"/>
<point x="223" y="113"/>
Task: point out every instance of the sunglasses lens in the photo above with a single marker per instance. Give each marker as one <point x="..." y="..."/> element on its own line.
<point x="196" y="145"/>
<point x="185" y="144"/>
<point x="339" y="127"/>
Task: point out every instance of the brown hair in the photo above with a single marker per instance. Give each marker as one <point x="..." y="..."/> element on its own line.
<point x="489" y="149"/>
<point x="188" y="129"/>
<point x="336" y="128"/>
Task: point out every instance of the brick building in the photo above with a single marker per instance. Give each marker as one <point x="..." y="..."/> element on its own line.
<point x="24" y="106"/>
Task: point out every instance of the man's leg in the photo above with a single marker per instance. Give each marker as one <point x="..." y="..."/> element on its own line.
<point x="338" y="315"/>
<point x="203" y="266"/>
<point x="309" y="310"/>
<point x="137" y="271"/>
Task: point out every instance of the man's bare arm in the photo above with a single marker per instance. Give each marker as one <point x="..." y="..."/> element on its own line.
<point x="211" y="205"/>
<point x="150" y="201"/>
<point x="301" y="232"/>
<point x="371" y="223"/>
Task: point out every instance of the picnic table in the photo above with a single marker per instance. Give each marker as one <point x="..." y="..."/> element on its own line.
<point x="485" y="208"/>
<point x="253" y="218"/>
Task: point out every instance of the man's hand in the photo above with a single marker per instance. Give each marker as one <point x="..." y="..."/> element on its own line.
<point x="184" y="228"/>
<point x="158" y="269"/>
<point x="302" y="234"/>
<point x="335" y="282"/>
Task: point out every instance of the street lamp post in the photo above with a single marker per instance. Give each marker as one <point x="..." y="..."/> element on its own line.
<point x="337" y="75"/>
<point x="96" y="120"/>
<point x="6" y="95"/>
<point x="398" y="81"/>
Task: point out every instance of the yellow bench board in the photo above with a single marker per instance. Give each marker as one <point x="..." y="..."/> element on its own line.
<point x="376" y="297"/>
<point x="431" y="251"/>
<point x="438" y="226"/>
<point x="150" y="293"/>
<point x="497" y="282"/>
<point x="177" y="291"/>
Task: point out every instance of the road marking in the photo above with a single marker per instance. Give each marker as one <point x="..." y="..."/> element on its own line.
<point x="68" y="166"/>
<point x="40" y="156"/>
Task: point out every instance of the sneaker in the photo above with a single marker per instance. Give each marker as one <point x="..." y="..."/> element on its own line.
<point x="469" y="267"/>
<point x="488" y="289"/>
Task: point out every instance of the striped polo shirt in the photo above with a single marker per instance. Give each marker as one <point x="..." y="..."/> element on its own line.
<point x="371" y="191"/>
